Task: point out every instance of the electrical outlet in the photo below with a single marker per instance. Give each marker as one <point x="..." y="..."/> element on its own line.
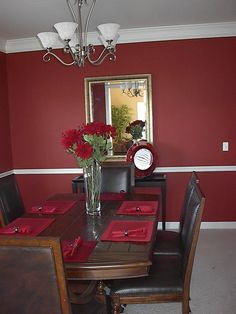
<point x="225" y="146"/>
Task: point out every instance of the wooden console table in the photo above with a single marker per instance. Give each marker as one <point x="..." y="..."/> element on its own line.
<point x="154" y="180"/>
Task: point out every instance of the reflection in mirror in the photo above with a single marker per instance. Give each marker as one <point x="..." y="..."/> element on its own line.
<point x="121" y="101"/>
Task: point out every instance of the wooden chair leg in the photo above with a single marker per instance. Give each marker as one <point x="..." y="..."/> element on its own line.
<point x="116" y="307"/>
<point x="185" y="307"/>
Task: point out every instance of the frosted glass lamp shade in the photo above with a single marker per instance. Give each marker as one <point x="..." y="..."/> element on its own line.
<point x="109" y="30"/>
<point x="66" y="30"/>
<point x="73" y="42"/>
<point x="48" y="39"/>
<point x="105" y="43"/>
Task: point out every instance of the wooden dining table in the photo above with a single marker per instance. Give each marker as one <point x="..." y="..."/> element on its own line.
<point x="108" y="260"/>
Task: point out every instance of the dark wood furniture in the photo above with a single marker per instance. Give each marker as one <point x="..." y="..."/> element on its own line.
<point x="155" y="180"/>
<point x="32" y="276"/>
<point x="109" y="260"/>
<point x="170" y="275"/>
<point x="11" y="204"/>
<point x="170" y="242"/>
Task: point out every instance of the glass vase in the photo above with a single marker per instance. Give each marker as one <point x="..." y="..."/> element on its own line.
<point x="92" y="182"/>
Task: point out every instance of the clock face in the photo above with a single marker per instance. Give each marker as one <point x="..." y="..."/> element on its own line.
<point x="144" y="158"/>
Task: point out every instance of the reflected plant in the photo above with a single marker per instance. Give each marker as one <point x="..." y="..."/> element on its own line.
<point x="121" y="117"/>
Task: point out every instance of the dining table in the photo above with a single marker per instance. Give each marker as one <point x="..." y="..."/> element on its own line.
<point x="107" y="258"/>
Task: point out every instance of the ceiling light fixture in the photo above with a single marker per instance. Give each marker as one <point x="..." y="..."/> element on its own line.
<point x="132" y="89"/>
<point x="74" y="36"/>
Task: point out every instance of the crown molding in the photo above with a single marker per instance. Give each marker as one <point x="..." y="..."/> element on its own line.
<point x="135" y="35"/>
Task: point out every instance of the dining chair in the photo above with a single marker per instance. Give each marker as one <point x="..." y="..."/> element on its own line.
<point x="170" y="275"/>
<point x="33" y="280"/>
<point x="11" y="204"/>
<point x="117" y="177"/>
<point x="32" y="276"/>
<point x="170" y="242"/>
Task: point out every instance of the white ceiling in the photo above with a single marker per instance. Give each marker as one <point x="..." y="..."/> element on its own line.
<point x="26" y="18"/>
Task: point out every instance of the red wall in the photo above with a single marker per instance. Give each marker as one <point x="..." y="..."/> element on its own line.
<point x="194" y="95"/>
<point x="5" y="138"/>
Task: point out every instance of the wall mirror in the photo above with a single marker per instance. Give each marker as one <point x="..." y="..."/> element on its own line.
<point x="119" y="101"/>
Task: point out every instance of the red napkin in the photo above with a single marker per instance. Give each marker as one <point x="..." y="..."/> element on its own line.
<point x="138" y="208"/>
<point x="108" y="196"/>
<point x="53" y="207"/>
<point x="45" y="209"/>
<point x="128" y="230"/>
<point x="27" y="226"/>
<point x="73" y="248"/>
<point x="81" y="253"/>
<point x="16" y="230"/>
<point x="139" y="232"/>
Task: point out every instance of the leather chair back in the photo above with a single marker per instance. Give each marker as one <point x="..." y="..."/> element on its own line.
<point x="191" y="227"/>
<point x="117" y="177"/>
<point x="188" y="193"/>
<point x="32" y="276"/>
<point x="11" y="204"/>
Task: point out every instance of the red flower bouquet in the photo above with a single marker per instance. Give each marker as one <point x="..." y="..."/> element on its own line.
<point x="89" y="143"/>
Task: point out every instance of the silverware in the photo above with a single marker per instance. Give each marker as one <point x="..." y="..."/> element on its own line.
<point x="16" y="229"/>
<point x="126" y="233"/>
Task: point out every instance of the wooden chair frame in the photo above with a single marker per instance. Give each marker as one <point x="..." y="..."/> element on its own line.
<point x="48" y="243"/>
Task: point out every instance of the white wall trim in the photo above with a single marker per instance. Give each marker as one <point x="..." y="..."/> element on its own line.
<point x="204" y="225"/>
<point x="160" y="169"/>
<point x="49" y="171"/>
<point x="196" y="168"/>
<point x="177" y="32"/>
<point x="7" y="173"/>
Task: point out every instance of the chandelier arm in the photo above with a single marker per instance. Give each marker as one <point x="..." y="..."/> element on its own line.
<point x="46" y="58"/>
<point x="87" y="22"/>
<point x="102" y="55"/>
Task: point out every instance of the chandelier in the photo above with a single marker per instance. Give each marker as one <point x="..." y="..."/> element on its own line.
<point x="132" y="89"/>
<point x="74" y="36"/>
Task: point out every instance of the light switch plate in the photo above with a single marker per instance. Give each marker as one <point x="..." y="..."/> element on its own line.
<point x="225" y="146"/>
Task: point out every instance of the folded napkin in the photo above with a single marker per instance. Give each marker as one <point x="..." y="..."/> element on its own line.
<point x="77" y="251"/>
<point x="43" y="209"/>
<point x="128" y="231"/>
<point x="137" y="233"/>
<point x="148" y="208"/>
<point x="72" y="248"/>
<point x="140" y="209"/>
<point x="16" y="229"/>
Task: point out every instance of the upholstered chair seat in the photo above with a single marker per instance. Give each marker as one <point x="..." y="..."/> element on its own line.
<point x="164" y="277"/>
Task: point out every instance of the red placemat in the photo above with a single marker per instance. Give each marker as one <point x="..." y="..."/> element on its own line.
<point x="108" y="196"/>
<point x="128" y="231"/>
<point x="138" y="208"/>
<point x="53" y="207"/>
<point x="26" y="226"/>
<point x="82" y="254"/>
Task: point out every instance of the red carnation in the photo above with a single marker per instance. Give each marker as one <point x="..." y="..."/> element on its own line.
<point x="84" y="150"/>
<point x="71" y="137"/>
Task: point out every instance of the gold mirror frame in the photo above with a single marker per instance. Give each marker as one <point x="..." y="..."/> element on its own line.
<point x="118" y="80"/>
